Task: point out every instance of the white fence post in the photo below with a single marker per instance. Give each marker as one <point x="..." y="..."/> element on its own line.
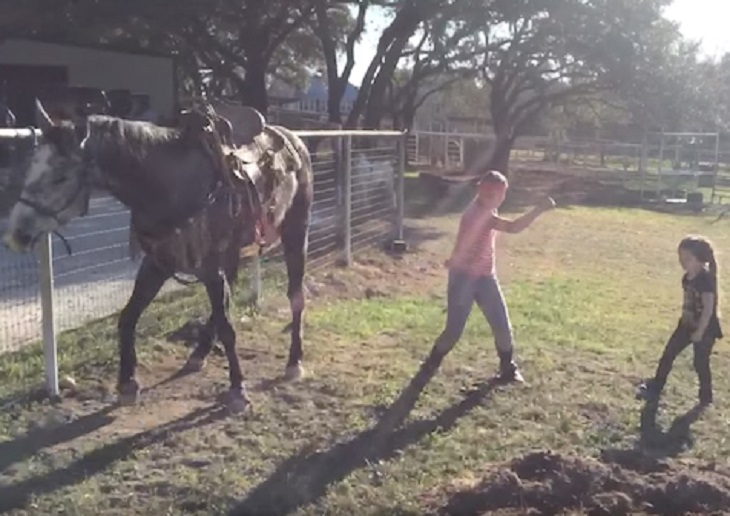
<point x="447" y="161"/>
<point x="347" y="169"/>
<point x="400" y="186"/>
<point x="50" y="349"/>
<point x="45" y="278"/>
<point x="643" y="160"/>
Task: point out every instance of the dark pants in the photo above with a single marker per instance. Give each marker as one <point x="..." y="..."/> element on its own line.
<point x="463" y="292"/>
<point x="678" y="342"/>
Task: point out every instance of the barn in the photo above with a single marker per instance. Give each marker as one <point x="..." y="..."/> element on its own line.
<point x="27" y="65"/>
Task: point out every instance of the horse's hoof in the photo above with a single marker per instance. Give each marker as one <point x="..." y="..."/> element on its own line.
<point x="236" y="401"/>
<point x="128" y="393"/>
<point x="293" y="373"/>
<point x="194" y="364"/>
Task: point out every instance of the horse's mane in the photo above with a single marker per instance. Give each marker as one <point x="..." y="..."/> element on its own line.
<point x="126" y="143"/>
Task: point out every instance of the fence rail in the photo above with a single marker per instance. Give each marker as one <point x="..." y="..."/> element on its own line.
<point x="358" y="202"/>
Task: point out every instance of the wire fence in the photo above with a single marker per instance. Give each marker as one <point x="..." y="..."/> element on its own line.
<point x="97" y="279"/>
<point x="665" y="166"/>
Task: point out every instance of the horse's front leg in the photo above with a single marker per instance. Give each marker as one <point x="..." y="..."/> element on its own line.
<point x="294" y="242"/>
<point x="148" y="283"/>
<point x="237" y="399"/>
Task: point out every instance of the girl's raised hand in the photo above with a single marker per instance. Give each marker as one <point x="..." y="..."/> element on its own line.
<point x="546" y="204"/>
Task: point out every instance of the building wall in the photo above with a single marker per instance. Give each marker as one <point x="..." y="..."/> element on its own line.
<point x="151" y="75"/>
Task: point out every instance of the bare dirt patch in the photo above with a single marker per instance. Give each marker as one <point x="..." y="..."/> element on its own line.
<point x="617" y="484"/>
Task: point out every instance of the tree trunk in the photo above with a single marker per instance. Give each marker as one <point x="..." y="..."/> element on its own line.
<point x="390" y="48"/>
<point x="501" y="153"/>
<point x="253" y="91"/>
<point x="334" y="100"/>
<point x="375" y="108"/>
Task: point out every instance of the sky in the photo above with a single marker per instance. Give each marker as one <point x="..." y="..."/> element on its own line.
<point x="704" y="20"/>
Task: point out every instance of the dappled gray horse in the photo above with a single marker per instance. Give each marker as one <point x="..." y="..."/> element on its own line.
<point x="195" y="204"/>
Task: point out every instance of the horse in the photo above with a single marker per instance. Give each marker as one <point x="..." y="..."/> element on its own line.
<point x="195" y="205"/>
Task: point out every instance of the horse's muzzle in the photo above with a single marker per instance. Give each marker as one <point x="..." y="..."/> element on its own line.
<point x="18" y="242"/>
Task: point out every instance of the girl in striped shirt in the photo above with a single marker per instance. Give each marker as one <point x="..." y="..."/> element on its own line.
<point x="472" y="273"/>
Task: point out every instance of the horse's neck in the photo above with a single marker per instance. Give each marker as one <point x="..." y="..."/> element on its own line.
<point x="159" y="192"/>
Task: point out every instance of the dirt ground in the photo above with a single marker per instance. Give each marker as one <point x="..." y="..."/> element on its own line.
<point x="618" y="483"/>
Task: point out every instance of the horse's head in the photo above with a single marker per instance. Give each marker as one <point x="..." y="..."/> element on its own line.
<point x="56" y="187"/>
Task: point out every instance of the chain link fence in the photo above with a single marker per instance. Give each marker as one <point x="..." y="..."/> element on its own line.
<point x="96" y="280"/>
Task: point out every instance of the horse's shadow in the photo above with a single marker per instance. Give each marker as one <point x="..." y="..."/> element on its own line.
<point x="17" y="495"/>
<point x="305" y="477"/>
<point x="23" y="447"/>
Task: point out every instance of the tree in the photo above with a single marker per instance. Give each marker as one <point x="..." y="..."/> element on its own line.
<point x="334" y="43"/>
<point x="239" y="40"/>
<point x="405" y="18"/>
<point x="542" y="53"/>
<point x="659" y="93"/>
<point x="721" y="88"/>
<point x="438" y="60"/>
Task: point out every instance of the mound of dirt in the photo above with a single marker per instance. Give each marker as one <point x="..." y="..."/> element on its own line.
<point x="620" y="483"/>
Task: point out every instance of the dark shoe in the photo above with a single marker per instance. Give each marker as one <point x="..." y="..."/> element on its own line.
<point x="648" y="391"/>
<point x="509" y="373"/>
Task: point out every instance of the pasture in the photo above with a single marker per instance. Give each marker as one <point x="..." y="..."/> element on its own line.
<point x="593" y="293"/>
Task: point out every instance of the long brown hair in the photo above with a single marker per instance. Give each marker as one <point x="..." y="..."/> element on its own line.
<point x="702" y="249"/>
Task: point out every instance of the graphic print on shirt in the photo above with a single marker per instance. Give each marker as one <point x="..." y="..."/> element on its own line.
<point x="692" y="303"/>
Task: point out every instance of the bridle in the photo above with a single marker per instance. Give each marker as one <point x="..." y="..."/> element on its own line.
<point x="83" y="188"/>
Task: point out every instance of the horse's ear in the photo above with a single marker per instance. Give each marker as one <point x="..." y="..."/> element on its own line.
<point x="42" y="119"/>
<point x="252" y="123"/>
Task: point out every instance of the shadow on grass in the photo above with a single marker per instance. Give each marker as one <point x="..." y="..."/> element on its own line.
<point x="18" y="494"/>
<point x="304" y="478"/>
<point x="676" y="439"/>
<point x="21" y="448"/>
<point x="655" y="444"/>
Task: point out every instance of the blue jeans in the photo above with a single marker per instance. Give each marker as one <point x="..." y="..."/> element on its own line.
<point x="463" y="291"/>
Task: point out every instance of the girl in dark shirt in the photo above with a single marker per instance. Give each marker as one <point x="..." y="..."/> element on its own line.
<point x="699" y="324"/>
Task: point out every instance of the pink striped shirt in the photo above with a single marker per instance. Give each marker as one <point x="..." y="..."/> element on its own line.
<point x="473" y="252"/>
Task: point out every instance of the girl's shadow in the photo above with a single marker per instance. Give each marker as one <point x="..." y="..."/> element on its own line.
<point x="677" y="439"/>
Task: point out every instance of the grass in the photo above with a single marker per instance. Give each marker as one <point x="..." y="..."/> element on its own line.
<point x="593" y="295"/>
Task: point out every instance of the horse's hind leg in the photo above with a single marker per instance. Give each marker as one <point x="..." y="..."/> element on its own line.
<point x="148" y="283"/>
<point x="196" y="360"/>
<point x="218" y="294"/>
<point x="294" y="242"/>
